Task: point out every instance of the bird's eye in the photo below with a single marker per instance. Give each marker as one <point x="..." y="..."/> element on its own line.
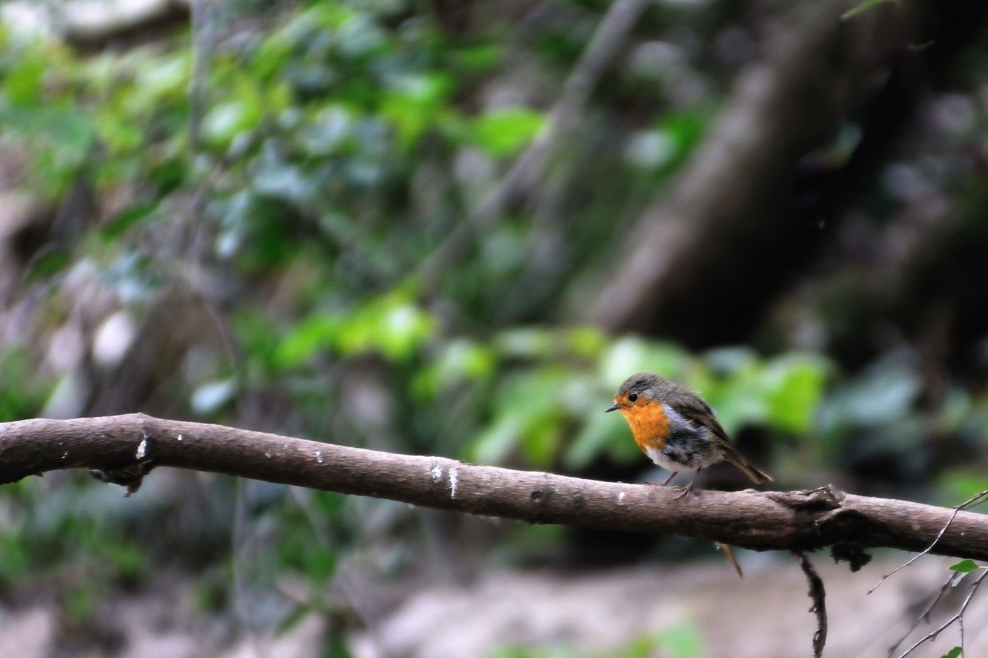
<point x="633" y="397"/>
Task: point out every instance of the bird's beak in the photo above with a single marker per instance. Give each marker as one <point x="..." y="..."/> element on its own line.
<point x="613" y="407"/>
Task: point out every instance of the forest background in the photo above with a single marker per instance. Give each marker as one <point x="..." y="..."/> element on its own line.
<point x="453" y="228"/>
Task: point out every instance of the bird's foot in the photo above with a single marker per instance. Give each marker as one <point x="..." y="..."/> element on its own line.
<point x="688" y="489"/>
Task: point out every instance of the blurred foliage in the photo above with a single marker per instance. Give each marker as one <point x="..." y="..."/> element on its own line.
<point x="679" y="640"/>
<point x="74" y="530"/>
<point x="292" y="185"/>
<point x="863" y="7"/>
<point x="22" y="389"/>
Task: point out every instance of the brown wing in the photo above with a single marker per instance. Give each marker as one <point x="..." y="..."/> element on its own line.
<point x="697" y="410"/>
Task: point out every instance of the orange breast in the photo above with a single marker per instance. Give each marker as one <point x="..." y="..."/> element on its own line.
<point x="649" y="424"/>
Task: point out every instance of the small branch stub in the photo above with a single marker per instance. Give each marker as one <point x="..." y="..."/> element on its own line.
<point x="819" y="598"/>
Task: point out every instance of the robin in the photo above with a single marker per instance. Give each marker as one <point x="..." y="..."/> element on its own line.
<point x="678" y="431"/>
<point x="676" y="428"/>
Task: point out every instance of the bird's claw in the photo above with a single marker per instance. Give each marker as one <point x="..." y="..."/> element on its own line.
<point x="688" y="489"/>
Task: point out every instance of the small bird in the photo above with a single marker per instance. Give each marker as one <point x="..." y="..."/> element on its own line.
<point x="678" y="431"/>
<point x="676" y="428"/>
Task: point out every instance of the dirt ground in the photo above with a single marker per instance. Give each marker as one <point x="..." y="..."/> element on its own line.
<point x="767" y="616"/>
<point x="590" y="614"/>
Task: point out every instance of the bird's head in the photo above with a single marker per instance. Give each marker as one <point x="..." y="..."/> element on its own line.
<point x="637" y="392"/>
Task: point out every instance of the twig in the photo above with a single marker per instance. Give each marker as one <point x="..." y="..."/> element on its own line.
<point x="925" y="616"/>
<point x="729" y="552"/>
<point x="203" y="27"/>
<point x="564" y="115"/>
<point x="932" y="635"/>
<point x="918" y="555"/>
<point x="970" y="502"/>
<point x="342" y="577"/>
<point x="819" y="598"/>
<point x="240" y="538"/>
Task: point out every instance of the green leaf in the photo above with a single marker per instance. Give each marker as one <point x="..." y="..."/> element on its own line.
<point x="735" y="386"/>
<point x="685" y="130"/>
<point x="480" y="57"/>
<point x="642" y="647"/>
<point x="79" y="605"/>
<point x="960" y="484"/>
<point x="308" y="337"/>
<point x="47" y="262"/>
<point x="953" y="653"/>
<point x="494" y="445"/>
<point x="965" y="566"/>
<point x="329" y="130"/>
<point x="396" y="330"/>
<point x="865" y="6"/>
<point x="119" y="135"/>
<point x="602" y="434"/>
<point x="459" y="361"/>
<point x="541" y="437"/>
<point x="681" y="641"/>
<point x="524" y="342"/>
<point x="240" y="112"/>
<point x="794" y="387"/>
<point x="415" y="103"/>
<point x="586" y="341"/>
<point x="129" y="560"/>
<point x="124" y="220"/>
<point x="228" y="119"/>
<point x="530" y="414"/>
<point x="23" y="82"/>
<point x="503" y="132"/>
<point x="391" y="325"/>
<point x="64" y="128"/>
<point x="164" y="76"/>
<point x="630" y="355"/>
<point x="15" y="557"/>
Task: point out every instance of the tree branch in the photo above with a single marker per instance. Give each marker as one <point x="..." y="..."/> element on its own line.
<point x="124" y="448"/>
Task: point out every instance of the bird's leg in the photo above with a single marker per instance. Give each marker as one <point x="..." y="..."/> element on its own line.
<point x="667" y="481"/>
<point x="689" y="487"/>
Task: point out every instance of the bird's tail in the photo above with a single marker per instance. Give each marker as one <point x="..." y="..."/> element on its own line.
<point x="757" y="475"/>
